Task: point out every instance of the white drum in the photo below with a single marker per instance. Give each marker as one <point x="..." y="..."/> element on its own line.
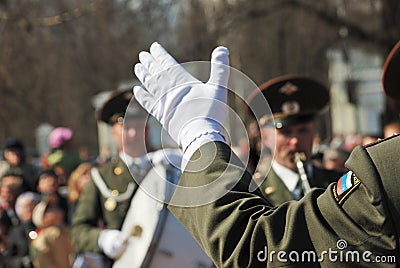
<point x="156" y="238"/>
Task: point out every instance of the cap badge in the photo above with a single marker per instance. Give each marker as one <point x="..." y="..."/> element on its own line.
<point x="291" y="107"/>
<point x="288" y="89"/>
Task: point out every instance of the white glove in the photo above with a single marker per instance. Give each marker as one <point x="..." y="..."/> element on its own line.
<point x="112" y="242"/>
<point x="186" y="107"/>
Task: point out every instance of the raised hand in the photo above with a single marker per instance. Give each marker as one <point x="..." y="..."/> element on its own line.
<point x="186" y="107"/>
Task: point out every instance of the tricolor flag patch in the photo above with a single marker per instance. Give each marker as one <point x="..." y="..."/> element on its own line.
<point x="345" y="186"/>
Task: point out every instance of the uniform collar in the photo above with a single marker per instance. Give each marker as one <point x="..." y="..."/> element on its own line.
<point x="288" y="176"/>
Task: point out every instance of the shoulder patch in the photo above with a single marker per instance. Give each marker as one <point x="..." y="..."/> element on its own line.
<point x="345" y="186"/>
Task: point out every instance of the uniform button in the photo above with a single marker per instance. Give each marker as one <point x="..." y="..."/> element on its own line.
<point x="117" y="171"/>
<point x="257" y="176"/>
<point x="269" y="190"/>
<point x="114" y="193"/>
<point x="110" y="204"/>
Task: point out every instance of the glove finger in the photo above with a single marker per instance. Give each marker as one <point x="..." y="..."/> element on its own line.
<point x="219" y="74"/>
<point x="144" y="98"/>
<point x="149" y="62"/>
<point x="142" y="74"/>
<point x="159" y="53"/>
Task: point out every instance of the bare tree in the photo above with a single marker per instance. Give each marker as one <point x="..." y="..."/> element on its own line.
<point x="55" y="55"/>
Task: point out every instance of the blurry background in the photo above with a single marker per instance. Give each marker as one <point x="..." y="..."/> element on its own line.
<point x="58" y="57"/>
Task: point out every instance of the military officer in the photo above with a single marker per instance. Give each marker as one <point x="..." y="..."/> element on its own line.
<point x="288" y="133"/>
<point x="354" y="222"/>
<point x="108" y="195"/>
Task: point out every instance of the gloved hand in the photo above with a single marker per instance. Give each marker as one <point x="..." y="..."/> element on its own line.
<point x="112" y="242"/>
<point x="186" y="107"/>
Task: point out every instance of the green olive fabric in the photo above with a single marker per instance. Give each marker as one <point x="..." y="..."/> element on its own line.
<point x="243" y="229"/>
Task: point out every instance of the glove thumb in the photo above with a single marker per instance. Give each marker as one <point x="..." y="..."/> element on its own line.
<point x="219" y="67"/>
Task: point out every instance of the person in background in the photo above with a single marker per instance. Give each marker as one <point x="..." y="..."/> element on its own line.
<point x="110" y="203"/>
<point x="5" y="225"/>
<point x="18" y="253"/>
<point x="113" y="196"/>
<point x="51" y="245"/>
<point x="11" y="186"/>
<point x="64" y="157"/>
<point x="14" y="154"/>
<point x="334" y="159"/>
<point x="295" y="102"/>
<point x="48" y="188"/>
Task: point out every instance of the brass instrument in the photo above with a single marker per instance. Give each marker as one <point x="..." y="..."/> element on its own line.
<point x="299" y="158"/>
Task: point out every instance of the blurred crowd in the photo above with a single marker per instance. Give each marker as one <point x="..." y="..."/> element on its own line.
<point x="38" y="195"/>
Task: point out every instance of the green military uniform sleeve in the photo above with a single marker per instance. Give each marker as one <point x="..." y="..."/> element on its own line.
<point x="84" y="231"/>
<point x="242" y="229"/>
<point x="275" y="190"/>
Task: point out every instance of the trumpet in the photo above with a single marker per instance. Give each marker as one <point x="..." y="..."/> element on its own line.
<point x="299" y="158"/>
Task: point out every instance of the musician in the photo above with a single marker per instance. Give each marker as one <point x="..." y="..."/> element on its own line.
<point x="357" y="216"/>
<point x="295" y="102"/>
<point x="106" y="199"/>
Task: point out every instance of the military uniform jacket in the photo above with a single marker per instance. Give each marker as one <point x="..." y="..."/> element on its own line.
<point x="242" y="229"/>
<point x="92" y="207"/>
<point x="277" y="192"/>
